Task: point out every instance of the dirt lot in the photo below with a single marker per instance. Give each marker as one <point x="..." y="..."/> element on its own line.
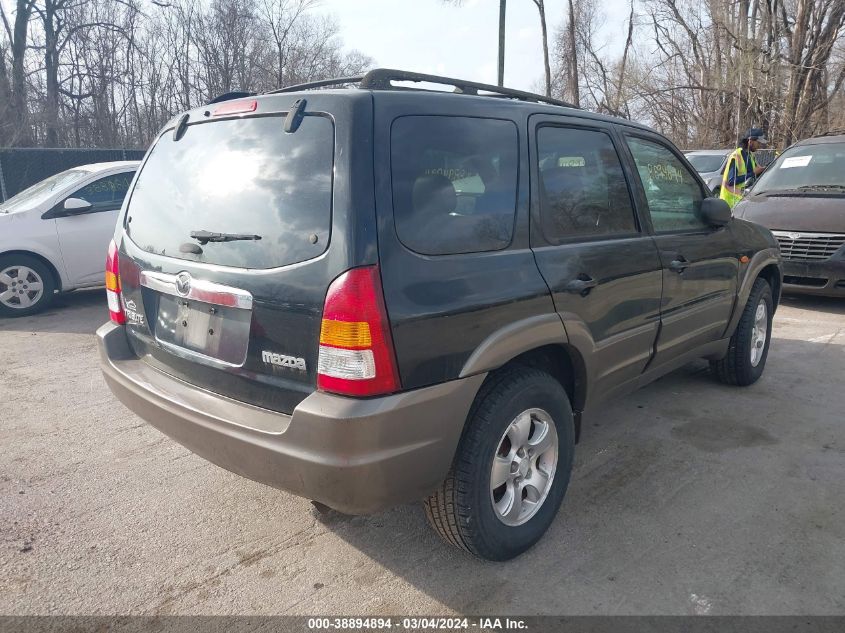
<point x="687" y="497"/>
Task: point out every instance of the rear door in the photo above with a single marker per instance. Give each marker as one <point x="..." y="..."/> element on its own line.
<point x="700" y="263"/>
<point x="85" y="237"/>
<point x="239" y="314"/>
<point x="601" y="266"/>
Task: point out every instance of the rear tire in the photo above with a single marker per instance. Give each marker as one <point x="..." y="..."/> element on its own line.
<point x="749" y="347"/>
<point x="501" y="522"/>
<point x="26" y="285"/>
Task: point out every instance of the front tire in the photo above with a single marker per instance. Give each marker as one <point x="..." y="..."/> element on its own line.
<point x="26" y="286"/>
<point x="749" y="347"/>
<point x="511" y="469"/>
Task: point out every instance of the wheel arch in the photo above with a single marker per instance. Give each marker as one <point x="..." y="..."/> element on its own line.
<point x="539" y="342"/>
<point x="771" y="273"/>
<point x="54" y="271"/>
<point x="767" y="264"/>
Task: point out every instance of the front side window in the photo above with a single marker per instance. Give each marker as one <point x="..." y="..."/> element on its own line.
<point x="454" y="183"/>
<point x="674" y="195"/>
<point x="583" y="192"/>
<point x="106" y="193"/>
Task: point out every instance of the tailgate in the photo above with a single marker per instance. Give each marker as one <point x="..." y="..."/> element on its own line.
<point x="223" y="262"/>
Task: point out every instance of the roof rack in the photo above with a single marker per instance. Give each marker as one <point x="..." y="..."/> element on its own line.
<point x="383" y="78"/>
<point x="337" y="81"/>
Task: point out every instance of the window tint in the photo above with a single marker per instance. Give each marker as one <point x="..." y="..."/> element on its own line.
<point x="582" y="186"/>
<point x="105" y="193"/>
<point x="454" y="183"/>
<point x="674" y="195"/>
<point x="238" y="176"/>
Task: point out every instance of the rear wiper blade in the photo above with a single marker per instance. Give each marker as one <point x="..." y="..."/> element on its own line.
<point x="204" y="237"/>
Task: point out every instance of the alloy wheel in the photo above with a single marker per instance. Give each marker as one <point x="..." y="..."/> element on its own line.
<point x="758" y="333"/>
<point x="524" y="467"/>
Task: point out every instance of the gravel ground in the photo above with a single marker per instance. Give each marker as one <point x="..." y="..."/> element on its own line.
<point x="687" y="497"/>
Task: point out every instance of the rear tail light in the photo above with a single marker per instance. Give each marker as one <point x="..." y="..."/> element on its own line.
<point x="356" y="347"/>
<point x="113" y="285"/>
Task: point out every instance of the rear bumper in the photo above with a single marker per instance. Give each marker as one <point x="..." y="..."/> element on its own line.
<point x="357" y="456"/>
<point x="826" y="278"/>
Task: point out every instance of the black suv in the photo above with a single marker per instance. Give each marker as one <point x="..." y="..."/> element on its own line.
<point x="374" y="295"/>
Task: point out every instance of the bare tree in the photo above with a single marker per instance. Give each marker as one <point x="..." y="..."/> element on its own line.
<point x="541" y="7"/>
<point x="14" y="123"/>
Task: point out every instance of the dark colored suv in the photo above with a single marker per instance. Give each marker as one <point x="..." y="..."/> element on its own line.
<point x="375" y="295"/>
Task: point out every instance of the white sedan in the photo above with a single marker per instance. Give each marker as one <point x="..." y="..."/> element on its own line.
<point x="54" y="235"/>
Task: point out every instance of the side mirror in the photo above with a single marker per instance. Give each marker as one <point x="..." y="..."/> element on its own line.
<point x="77" y="205"/>
<point x="715" y="212"/>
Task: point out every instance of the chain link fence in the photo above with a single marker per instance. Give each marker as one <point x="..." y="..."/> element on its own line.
<point x="22" y="167"/>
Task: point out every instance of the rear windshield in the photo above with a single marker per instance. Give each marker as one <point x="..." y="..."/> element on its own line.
<point x="704" y="163"/>
<point x="238" y="177"/>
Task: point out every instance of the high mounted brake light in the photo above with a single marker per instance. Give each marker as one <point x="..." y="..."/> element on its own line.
<point x="113" y="285"/>
<point x="235" y="107"/>
<point x="356" y="347"/>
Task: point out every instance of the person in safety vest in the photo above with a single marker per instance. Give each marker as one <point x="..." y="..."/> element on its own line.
<point x="741" y="168"/>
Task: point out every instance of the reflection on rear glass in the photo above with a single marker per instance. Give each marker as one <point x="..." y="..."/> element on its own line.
<point x="240" y="176"/>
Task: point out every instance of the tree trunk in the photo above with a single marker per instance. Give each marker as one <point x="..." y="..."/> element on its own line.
<point x="51" y="71"/>
<point x="573" y="57"/>
<point x="541" y="7"/>
<point x="617" y="101"/>
<point x="20" y="132"/>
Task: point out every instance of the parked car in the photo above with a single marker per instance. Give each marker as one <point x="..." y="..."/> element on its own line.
<point x="52" y="235"/>
<point x="369" y="296"/>
<point x="801" y="198"/>
<point x="710" y="165"/>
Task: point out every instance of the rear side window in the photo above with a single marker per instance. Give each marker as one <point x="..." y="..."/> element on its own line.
<point x="238" y="176"/>
<point x="583" y="192"/>
<point x="454" y="183"/>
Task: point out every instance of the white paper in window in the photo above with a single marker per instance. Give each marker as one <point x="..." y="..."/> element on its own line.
<point x="796" y="161"/>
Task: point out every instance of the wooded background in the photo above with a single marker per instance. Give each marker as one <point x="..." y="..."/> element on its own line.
<point x="109" y="73"/>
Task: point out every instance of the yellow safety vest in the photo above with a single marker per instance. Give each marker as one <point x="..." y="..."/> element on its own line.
<point x="733" y="193"/>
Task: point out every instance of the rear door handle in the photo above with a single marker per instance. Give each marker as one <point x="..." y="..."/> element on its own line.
<point x="582" y="285"/>
<point x="678" y="264"/>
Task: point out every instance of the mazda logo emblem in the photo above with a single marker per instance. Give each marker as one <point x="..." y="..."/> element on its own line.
<point x="183" y="284"/>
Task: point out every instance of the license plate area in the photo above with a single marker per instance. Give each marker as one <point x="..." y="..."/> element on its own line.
<point x="213" y="331"/>
<point x="200" y="320"/>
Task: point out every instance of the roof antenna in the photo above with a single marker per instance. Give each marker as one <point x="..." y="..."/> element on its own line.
<point x="294" y="117"/>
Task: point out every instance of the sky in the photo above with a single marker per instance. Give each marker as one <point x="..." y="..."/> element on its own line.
<point x="432" y="36"/>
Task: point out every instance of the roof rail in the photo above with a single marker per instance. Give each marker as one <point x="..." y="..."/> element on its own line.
<point x="383" y="78"/>
<point x="337" y="81"/>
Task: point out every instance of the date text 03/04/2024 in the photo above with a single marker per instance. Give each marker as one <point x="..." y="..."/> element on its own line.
<point x="418" y="623"/>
